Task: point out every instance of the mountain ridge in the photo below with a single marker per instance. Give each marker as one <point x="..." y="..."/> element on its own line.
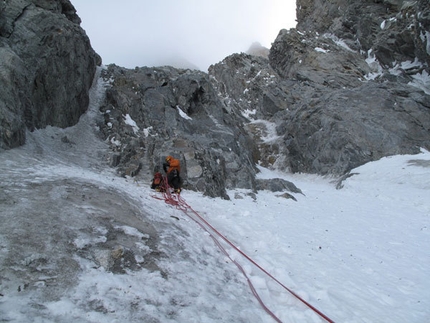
<point x="332" y="94"/>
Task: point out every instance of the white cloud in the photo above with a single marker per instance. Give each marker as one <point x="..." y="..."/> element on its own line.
<point x="138" y="33"/>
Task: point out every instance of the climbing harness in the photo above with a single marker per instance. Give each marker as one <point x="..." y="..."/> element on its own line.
<point x="177" y="201"/>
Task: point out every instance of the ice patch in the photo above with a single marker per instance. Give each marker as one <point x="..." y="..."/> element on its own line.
<point x="321" y="50"/>
<point x="249" y="114"/>
<point x="115" y="142"/>
<point x="132" y="232"/>
<point x="421" y="81"/>
<point x="338" y="42"/>
<point x="269" y="133"/>
<point x="128" y="120"/>
<point x="182" y="113"/>
<point x="146" y="131"/>
<point x="374" y="66"/>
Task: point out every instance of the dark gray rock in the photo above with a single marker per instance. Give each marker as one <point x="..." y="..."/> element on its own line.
<point x="344" y="117"/>
<point x="348" y="127"/>
<point x="315" y="111"/>
<point x="277" y="185"/>
<point x="308" y="57"/>
<point x="154" y="112"/>
<point x="394" y="30"/>
<point x="47" y="67"/>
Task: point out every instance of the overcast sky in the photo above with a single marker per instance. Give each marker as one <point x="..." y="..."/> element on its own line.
<point x="134" y="33"/>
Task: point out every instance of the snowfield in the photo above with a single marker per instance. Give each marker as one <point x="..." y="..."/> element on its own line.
<point x="357" y="254"/>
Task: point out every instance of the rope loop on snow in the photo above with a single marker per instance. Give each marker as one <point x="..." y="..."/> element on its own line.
<point x="177" y="201"/>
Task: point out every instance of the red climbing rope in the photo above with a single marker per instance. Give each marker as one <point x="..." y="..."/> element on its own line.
<point x="177" y="201"/>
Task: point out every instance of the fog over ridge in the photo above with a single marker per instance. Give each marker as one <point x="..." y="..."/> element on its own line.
<point x="190" y="33"/>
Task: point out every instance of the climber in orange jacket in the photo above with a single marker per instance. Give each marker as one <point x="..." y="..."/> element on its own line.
<point x="172" y="167"/>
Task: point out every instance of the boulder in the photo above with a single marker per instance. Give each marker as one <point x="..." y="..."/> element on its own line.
<point x="47" y="67"/>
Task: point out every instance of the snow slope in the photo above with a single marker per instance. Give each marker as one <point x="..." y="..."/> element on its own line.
<point x="357" y="254"/>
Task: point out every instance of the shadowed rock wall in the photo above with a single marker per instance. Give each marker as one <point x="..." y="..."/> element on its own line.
<point x="47" y="67"/>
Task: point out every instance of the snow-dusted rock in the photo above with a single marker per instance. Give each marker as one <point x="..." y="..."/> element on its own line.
<point x="349" y="86"/>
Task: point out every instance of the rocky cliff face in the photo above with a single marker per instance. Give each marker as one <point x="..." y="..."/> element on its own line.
<point x="154" y="112"/>
<point x="392" y="30"/>
<point x="47" y="67"/>
<point x="348" y="86"/>
<point x="354" y="65"/>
